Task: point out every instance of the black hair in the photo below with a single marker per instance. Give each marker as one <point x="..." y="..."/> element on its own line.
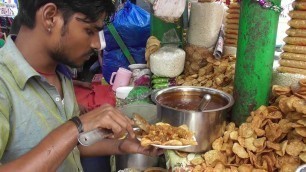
<point x="15" y="25"/>
<point x="92" y="9"/>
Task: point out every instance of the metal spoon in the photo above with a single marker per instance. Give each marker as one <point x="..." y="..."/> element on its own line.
<point x="91" y="137"/>
<point x="204" y="102"/>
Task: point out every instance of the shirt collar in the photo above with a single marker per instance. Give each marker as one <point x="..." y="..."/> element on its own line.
<point x="21" y="70"/>
<point x="16" y="63"/>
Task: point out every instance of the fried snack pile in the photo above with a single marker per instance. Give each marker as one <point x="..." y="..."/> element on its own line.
<point x="293" y="59"/>
<point x="202" y="69"/>
<point x="165" y="134"/>
<point x="272" y="139"/>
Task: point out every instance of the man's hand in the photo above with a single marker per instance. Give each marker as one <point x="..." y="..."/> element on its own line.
<point x="132" y="145"/>
<point x="108" y="117"/>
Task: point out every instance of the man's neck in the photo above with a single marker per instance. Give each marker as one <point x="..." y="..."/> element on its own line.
<point x="34" y="48"/>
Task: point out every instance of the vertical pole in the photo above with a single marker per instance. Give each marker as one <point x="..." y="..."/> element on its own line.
<point x="255" y="56"/>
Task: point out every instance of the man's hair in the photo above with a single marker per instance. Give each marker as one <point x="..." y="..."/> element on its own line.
<point x="92" y="9"/>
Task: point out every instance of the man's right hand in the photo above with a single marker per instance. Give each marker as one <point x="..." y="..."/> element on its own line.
<point x="110" y="118"/>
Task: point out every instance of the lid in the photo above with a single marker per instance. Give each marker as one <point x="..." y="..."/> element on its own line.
<point x="137" y="66"/>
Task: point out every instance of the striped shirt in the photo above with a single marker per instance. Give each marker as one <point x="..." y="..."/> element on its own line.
<point x="30" y="107"/>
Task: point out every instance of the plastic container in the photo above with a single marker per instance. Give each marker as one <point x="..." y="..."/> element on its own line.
<point x="123" y="92"/>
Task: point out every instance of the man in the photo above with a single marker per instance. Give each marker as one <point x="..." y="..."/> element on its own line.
<point x="39" y="121"/>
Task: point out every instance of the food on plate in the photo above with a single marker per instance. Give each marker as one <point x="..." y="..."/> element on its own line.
<point x="155" y="169"/>
<point x="165" y="134"/>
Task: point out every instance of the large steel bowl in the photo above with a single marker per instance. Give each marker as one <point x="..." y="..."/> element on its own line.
<point x="178" y="106"/>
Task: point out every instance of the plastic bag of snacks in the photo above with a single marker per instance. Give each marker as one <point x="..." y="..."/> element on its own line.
<point x="168" y="61"/>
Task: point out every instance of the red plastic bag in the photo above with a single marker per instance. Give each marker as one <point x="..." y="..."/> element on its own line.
<point x="95" y="97"/>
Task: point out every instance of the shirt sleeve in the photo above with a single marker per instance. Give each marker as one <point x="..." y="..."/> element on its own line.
<point x="4" y="118"/>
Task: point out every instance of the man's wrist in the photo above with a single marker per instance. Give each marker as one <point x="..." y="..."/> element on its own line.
<point x="78" y="123"/>
<point x="119" y="146"/>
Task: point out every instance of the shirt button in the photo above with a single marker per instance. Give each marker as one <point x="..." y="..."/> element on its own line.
<point x="57" y="99"/>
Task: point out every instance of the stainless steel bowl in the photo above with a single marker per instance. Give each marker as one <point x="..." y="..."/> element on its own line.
<point x="135" y="161"/>
<point x="178" y="106"/>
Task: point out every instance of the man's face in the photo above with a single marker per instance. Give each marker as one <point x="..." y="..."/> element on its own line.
<point x="78" y="40"/>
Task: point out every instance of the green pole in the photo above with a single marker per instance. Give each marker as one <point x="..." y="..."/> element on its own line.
<point x="255" y="55"/>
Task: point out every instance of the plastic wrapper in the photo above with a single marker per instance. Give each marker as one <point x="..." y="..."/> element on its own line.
<point x="169" y="11"/>
<point x="295" y="40"/>
<point x="132" y="24"/>
<point x="143" y="80"/>
<point x="296" y="32"/>
<point x="299" y="5"/>
<point x="162" y="82"/>
<point x="168" y="61"/>
<point x="205" y="22"/>
<point x="218" y="50"/>
<point x="297" y="14"/>
<point x="295" y="49"/>
<point x="293" y="56"/>
<point x="137" y="92"/>
<point x="297" y="23"/>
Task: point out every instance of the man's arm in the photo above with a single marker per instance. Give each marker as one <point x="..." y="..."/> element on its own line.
<point x="114" y="146"/>
<point x="55" y="147"/>
<point x="49" y="153"/>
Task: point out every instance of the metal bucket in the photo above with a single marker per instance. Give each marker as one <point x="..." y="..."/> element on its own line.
<point x="135" y="161"/>
<point x="178" y="106"/>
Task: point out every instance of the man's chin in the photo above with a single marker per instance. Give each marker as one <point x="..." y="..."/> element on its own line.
<point x="74" y="65"/>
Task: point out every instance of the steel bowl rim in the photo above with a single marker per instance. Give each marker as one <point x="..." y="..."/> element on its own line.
<point x="225" y="95"/>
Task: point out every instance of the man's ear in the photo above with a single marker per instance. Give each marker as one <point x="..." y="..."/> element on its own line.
<point x="49" y="16"/>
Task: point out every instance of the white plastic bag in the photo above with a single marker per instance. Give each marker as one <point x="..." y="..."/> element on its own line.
<point x="168" y="61"/>
<point x="169" y="10"/>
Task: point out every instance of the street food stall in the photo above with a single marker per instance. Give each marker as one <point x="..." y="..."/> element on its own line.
<point x="254" y="116"/>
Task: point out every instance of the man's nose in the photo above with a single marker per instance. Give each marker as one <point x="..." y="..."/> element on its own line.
<point x="96" y="43"/>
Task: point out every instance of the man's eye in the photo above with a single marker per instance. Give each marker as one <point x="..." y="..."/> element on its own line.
<point x="89" y="32"/>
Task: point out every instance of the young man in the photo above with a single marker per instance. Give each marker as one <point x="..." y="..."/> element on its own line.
<point x="39" y="121"/>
